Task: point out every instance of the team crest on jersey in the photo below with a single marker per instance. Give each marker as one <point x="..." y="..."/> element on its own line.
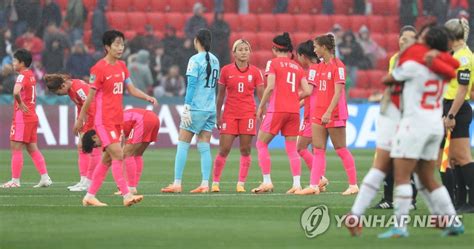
<point x="312" y="74"/>
<point x="341" y="73"/>
<point x="250" y="78"/>
<point x="329" y="75"/>
<point x="92" y="79"/>
<point x="113" y="135"/>
<point x="20" y="78"/>
<point x="224" y="126"/>
<point x="81" y="94"/>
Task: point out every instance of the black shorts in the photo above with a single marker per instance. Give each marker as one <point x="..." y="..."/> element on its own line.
<point x="463" y="119"/>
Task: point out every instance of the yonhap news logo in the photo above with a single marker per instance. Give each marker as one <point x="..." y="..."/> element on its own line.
<point x="315" y="220"/>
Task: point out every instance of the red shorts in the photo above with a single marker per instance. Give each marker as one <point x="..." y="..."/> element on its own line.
<point x="109" y="134"/>
<point x="332" y="124"/>
<point x="241" y="126"/>
<point x="24" y="132"/>
<point x="305" y="129"/>
<point x="144" y="132"/>
<point x="287" y="123"/>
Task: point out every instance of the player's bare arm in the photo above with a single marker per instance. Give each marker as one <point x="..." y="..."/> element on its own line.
<point x="82" y="115"/>
<point x="306" y="89"/>
<point x="219" y="103"/>
<point x="266" y="94"/>
<point x="16" y="95"/>
<point x="137" y="93"/>
<point x="326" y="118"/>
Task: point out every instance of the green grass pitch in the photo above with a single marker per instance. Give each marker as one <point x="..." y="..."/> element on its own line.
<point x="54" y="218"/>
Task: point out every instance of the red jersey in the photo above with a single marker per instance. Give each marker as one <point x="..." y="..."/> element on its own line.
<point x="132" y="117"/>
<point x="109" y="82"/>
<point x="288" y="76"/>
<point x="324" y="77"/>
<point x="240" y="87"/>
<point x="27" y="81"/>
<point x="78" y="94"/>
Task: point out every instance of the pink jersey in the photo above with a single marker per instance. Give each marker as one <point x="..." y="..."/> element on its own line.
<point x="240" y="87"/>
<point x="109" y="82"/>
<point x="288" y="76"/>
<point x="131" y="117"/>
<point x="28" y="95"/>
<point x="324" y="77"/>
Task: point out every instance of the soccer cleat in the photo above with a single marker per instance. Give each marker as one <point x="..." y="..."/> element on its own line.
<point x="79" y="188"/>
<point x="215" y="188"/>
<point x="240" y="189"/>
<point x="200" y="190"/>
<point x="133" y="199"/>
<point x="393" y="233"/>
<point x="133" y="192"/>
<point x="172" y="189"/>
<point x="10" y="184"/>
<point x="293" y="190"/>
<point x="453" y="231"/>
<point x="383" y="204"/>
<point x="118" y="192"/>
<point x="263" y="188"/>
<point x="308" y="191"/>
<point x="323" y="183"/>
<point x="75" y="185"/>
<point x="43" y="183"/>
<point x="92" y="202"/>
<point x="350" y="222"/>
<point x="351" y="190"/>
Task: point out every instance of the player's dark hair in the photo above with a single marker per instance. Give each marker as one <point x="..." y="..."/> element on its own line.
<point x="88" y="142"/>
<point x="407" y="28"/>
<point x="109" y="37"/>
<point x="54" y="81"/>
<point x="307" y="49"/>
<point x="437" y="38"/>
<point x="424" y="28"/>
<point x="328" y="41"/>
<point x="23" y="55"/>
<point x="282" y="43"/>
<point x="204" y="38"/>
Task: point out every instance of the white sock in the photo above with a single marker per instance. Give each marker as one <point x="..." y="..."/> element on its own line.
<point x="205" y="183"/>
<point x="89" y="196"/>
<point x="425" y="195"/>
<point x="87" y="182"/>
<point x="44" y="177"/>
<point x="129" y="195"/>
<point x="177" y="182"/>
<point x="134" y="189"/>
<point x="83" y="179"/>
<point x="241" y="183"/>
<point x="296" y="182"/>
<point x="442" y="201"/>
<point x="368" y="191"/>
<point x="401" y="205"/>
<point x="16" y="180"/>
<point x="215" y="183"/>
<point x="267" y="179"/>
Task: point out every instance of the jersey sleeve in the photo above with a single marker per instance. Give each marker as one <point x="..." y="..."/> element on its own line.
<point x="20" y="80"/>
<point x="443" y="68"/>
<point x="223" y="77"/>
<point x="339" y="75"/>
<point x="464" y="71"/>
<point x="258" y="77"/>
<point x="127" y="80"/>
<point x="269" y="69"/>
<point x="193" y="68"/>
<point x="311" y="77"/>
<point x="96" y="79"/>
<point x="404" y="71"/>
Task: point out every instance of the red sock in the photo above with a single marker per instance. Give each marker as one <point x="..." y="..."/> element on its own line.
<point x="245" y="162"/>
<point x="319" y="163"/>
<point x="98" y="178"/>
<point x="139" y="164"/>
<point x="83" y="162"/>
<point x="264" y="157"/>
<point x="131" y="169"/>
<point x="219" y="164"/>
<point x="117" y="173"/>
<point x="38" y="161"/>
<point x="307" y="157"/>
<point x="349" y="164"/>
<point x="17" y="163"/>
<point x="95" y="158"/>
<point x="295" y="162"/>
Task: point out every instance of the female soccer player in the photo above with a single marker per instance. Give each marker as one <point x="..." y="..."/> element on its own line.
<point x="61" y="84"/>
<point x="108" y="76"/>
<point x="199" y="113"/>
<point x="238" y="83"/>
<point x="285" y="80"/>
<point x="458" y="116"/>
<point x="25" y="123"/>
<point x="329" y="114"/>
<point x="307" y="57"/>
<point x="140" y="129"/>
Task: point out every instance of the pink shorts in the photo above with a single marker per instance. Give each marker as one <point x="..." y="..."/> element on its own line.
<point x="286" y="123"/>
<point x="305" y="129"/>
<point x="24" y="132"/>
<point x="241" y="126"/>
<point x="332" y="124"/>
<point x="109" y="134"/>
<point x="144" y="132"/>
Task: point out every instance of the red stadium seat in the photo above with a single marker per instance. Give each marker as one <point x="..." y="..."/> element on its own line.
<point x="233" y="20"/>
<point x="265" y="40"/>
<point x="210" y="18"/>
<point x="87" y="37"/>
<point x="343" y="7"/>
<point x="375" y="78"/>
<point x="297" y="38"/>
<point x="230" y="6"/>
<point x="159" y="5"/>
<point x="141" y="5"/>
<point x="260" y="59"/>
<point x="130" y="34"/>
<point x="304" y="6"/>
<point x="261" y="6"/>
<point x="363" y="80"/>
<point x="285" y="23"/>
<point x="182" y="6"/>
<point x="357" y="22"/>
<point x="304" y="23"/>
<point x="90" y="4"/>
<point x="392" y="24"/>
<point x="376" y="24"/>
<point x="248" y="22"/>
<point x="342" y="20"/>
<point x="121" y="5"/>
<point x="380" y="7"/>
<point x="393" y="7"/>
<point x="267" y="23"/>
<point x="117" y="20"/>
<point x="250" y="37"/>
<point x="391" y="42"/>
<point x="383" y="64"/>
<point x="322" y="23"/>
<point x="88" y="24"/>
<point x="176" y="20"/>
<point x="379" y="39"/>
<point x="359" y="93"/>
<point x="157" y="20"/>
<point x="137" y="21"/>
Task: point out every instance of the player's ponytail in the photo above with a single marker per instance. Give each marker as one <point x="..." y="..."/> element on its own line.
<point x="459" y="27"/>
<point x="205" y="39"/>
<point x="328" y="41"/>
<point x="54" y="81"/>
<point x="282" y="43"/>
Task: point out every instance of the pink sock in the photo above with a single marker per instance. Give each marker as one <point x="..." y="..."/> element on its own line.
<point x="349" y="164"/>
<point x="264" y="157"/>
<point x="245" y="162"/>
<point x="295" y="162"/>
<point x="307" y="157"/>
<point x="117" y="173"/>
<point x="83" y="161"/>
<point x="38" y="161"/>
<point x="139" y="163"/>
<point x="17" y="163"/>
<point x="95" y="158"/>
<point x="98" y="178"/>
<point x="219" y="165"/>
<point x="131" y="169"/>
<point x="319" y="162"/>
